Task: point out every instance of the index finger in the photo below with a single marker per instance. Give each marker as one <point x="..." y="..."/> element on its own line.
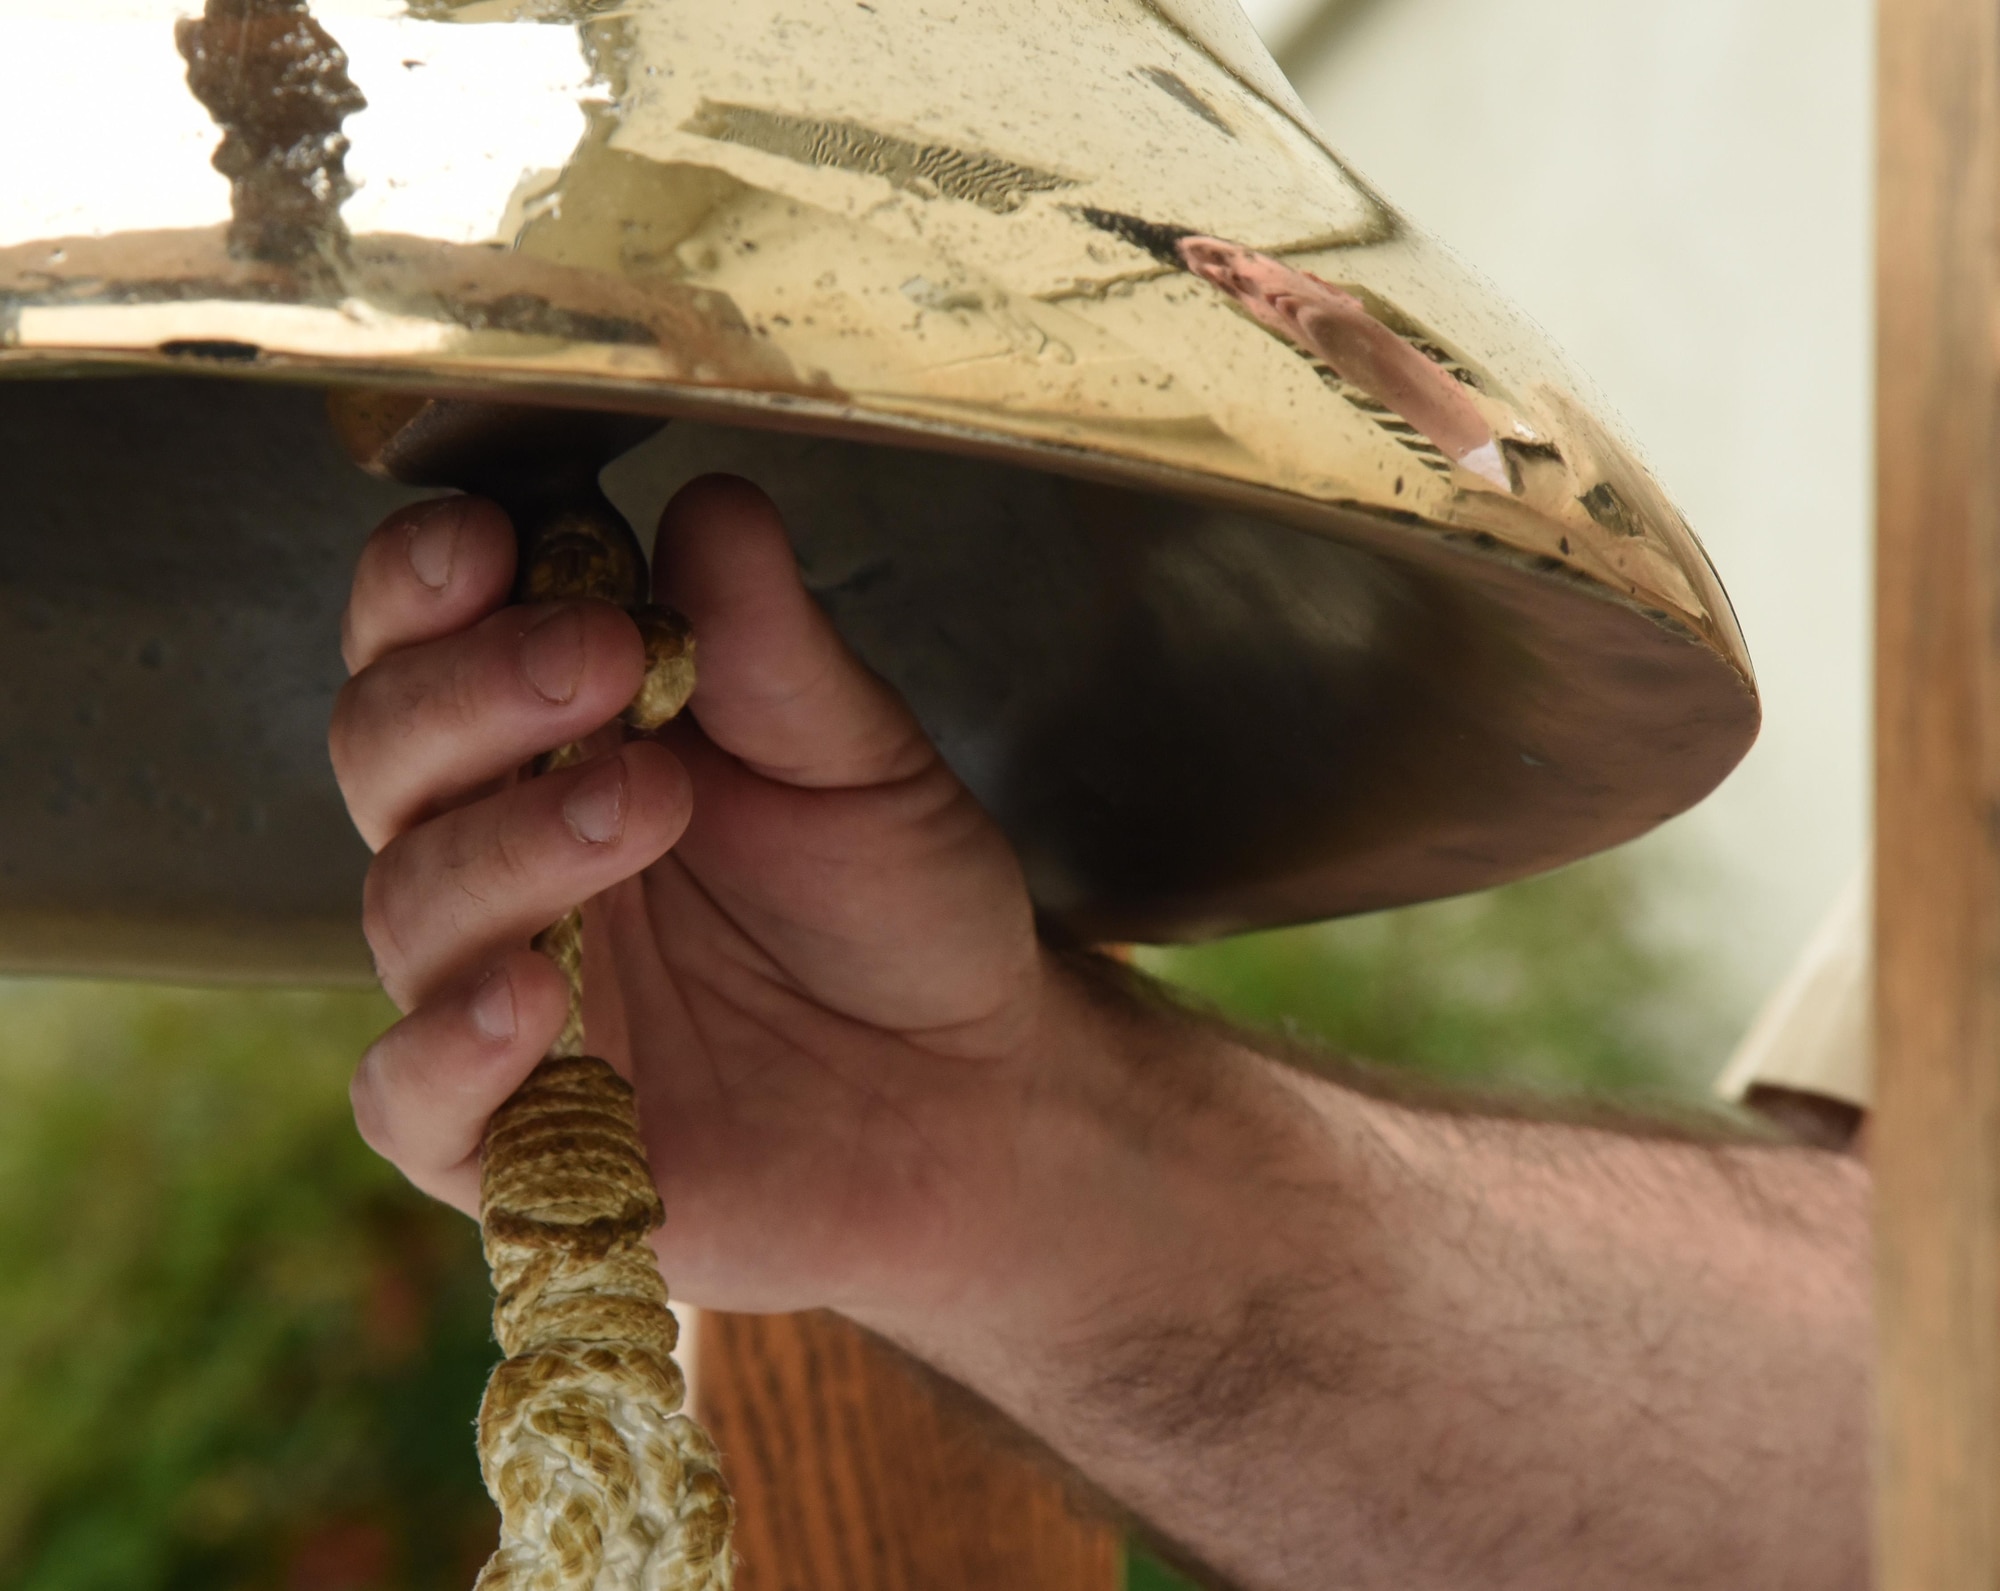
<point x="429" y="570"/>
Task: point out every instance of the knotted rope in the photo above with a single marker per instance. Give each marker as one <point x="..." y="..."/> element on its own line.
<point x="603" y="1485"/>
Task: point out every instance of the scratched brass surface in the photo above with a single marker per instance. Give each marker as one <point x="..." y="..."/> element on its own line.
<point x="1249" y="558"/>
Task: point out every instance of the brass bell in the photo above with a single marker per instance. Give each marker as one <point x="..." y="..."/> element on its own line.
<point x="1248" y="559"/>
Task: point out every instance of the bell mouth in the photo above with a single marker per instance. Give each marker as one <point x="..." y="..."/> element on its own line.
<point x="1191" y="714"/>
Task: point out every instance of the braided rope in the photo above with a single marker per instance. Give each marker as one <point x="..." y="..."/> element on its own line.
<point x="602" y="1484"/>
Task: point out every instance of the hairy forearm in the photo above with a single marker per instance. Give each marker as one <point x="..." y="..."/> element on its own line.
<point x="1323" y="1338"/>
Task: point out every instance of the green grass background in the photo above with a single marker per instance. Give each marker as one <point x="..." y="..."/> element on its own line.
<point x="237" y="1353"/>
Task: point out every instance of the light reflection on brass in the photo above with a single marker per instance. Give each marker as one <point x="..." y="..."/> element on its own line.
<point x="1211" y="392"/>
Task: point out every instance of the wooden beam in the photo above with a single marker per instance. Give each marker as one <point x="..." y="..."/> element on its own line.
<point x="851" y="1474"/>
<point x="1936" y="1132"/>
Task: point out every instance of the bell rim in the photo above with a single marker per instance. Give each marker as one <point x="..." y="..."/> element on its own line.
<point x="1468" y="560"/>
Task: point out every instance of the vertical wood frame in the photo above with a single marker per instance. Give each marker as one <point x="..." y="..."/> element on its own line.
<point x="851" y="1474"/>
<point x="1936" y="1132"/>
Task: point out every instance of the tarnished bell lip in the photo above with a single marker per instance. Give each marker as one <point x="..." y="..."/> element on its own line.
<point x="1098" y="238"/>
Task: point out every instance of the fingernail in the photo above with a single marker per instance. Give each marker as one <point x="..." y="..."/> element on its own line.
<point x="433" y="543"/>
<point x="552" y="655"/>
<point x="595" y="809"/>
<point x="492" y="1007"/>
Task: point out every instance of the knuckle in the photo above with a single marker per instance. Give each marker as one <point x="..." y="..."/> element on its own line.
<point x="413" y="693"/>
<point x="350" y="641"/>
<point x="365" y="1094"/>
<point x="481" y="852"/>
<point x="898" y="751"/>
<point x="383" y="720"/>
<point x="511" y="855"/>
<point x="437" y="889"/>
<point x="343" y="742"/>
<point x="384" y="908"/>
<point x="464" y="688"/>
<point x="365" y="714"/>
<point x="457" y="871"/>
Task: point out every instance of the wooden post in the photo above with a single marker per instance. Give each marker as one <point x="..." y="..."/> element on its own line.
<point x="851" y="1475"/>
<point x="1936" y="1133"/>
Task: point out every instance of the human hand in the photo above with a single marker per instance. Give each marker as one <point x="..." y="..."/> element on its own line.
<point x="808" y="948"/>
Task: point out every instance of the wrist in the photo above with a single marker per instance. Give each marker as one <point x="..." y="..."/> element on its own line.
<point x="1149" y="1159"/>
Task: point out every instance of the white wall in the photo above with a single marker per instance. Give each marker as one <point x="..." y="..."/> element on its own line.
<point x="1680" y="194"/>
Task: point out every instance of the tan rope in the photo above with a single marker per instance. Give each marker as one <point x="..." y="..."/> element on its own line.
<point x="603" y="1485"/>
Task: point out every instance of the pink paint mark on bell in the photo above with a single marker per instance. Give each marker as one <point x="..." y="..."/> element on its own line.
<point x="1319" y="319"/>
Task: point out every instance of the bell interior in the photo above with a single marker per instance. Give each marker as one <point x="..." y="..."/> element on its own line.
<point x="1190" y="716"/>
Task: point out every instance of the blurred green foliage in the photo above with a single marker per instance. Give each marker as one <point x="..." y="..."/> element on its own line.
<point x="1562" y="984"/>
<point x="1145" y="1573"/>
<point x="236" y="1350"/>
<point x="238" y="1353"/>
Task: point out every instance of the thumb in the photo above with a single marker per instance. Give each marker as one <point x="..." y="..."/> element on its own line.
<point x="777" y="687"/>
